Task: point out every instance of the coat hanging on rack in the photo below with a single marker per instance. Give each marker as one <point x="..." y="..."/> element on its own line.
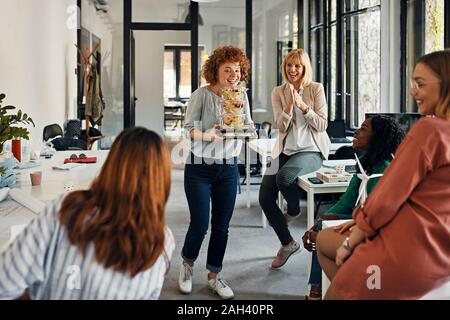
<point x="94" y="99"/>
<point x="94" y="104"/>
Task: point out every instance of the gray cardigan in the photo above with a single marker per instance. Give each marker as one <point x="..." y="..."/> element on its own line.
<point x="202" y="113"/>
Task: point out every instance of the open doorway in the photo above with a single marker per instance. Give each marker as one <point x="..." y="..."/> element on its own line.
<point x="153" y="76"/>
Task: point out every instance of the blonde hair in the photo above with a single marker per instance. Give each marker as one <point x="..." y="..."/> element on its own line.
<point x="301" y="56"/>
<point x="439" y="63"/>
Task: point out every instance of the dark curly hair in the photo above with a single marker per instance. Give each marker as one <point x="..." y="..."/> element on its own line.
<point x="223" y="55"/>
<point x="387" y="134"/>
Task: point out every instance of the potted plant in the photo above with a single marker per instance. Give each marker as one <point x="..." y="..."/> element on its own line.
<point x="8" y="124"/>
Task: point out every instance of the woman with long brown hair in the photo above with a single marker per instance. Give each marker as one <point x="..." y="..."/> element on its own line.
<point x="107" y="242"/>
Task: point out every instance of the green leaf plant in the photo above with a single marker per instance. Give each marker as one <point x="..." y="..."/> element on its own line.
<point x="9" y="128"/>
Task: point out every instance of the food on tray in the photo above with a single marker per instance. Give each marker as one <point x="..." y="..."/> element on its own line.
<point x="233" y="120"/>
<point x="233" y="93"/>
<point x="233" y="106"/>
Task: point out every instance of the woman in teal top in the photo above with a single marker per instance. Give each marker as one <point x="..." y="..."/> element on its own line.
<point x="378" y="138"/>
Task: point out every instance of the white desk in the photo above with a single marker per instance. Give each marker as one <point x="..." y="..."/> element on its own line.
<point x="313" y="189"/>
<point x="54" y="182"/>
<point x="264" y="147"/>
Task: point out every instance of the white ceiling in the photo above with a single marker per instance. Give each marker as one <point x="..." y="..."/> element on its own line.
<point x="167" y="10"/>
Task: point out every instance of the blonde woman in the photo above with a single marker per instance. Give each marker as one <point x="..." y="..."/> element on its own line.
<point x="300" y="115"/>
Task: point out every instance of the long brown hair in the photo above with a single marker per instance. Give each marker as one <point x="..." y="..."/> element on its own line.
<point x="439" y="63"/>
<point x="122" y="214"/>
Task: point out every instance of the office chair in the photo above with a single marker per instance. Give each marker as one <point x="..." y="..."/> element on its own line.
<point x="53" y="135"/>
<point x="52" y="131"/>
<point x="72" y="129"/>
<point x="63" y="144"/>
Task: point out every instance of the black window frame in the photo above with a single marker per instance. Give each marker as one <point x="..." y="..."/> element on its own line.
<point x="419" y="45"/>
<point x="323" y="67"/>
<point x="129" y="26"/>
<point x="177" y="66"/>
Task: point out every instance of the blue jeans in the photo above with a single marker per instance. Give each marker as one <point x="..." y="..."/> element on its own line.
<point x="315" y="277"/>
<point x="205" y="183"/>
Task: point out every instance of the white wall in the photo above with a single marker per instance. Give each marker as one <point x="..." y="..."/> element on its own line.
<point x="150" y="76"/>
<point x="38" y="61"/>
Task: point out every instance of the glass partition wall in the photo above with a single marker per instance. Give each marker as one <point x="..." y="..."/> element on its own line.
<point x="275" y="33"/>
<point x="343" y="38"/>
<point x="103" y="28"/>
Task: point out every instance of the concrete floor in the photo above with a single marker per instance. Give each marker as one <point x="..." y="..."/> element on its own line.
<point x="248" y="257"/>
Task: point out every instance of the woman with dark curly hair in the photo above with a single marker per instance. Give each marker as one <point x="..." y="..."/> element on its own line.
<point x="211" y="174"/>
<point x="378" y="139"/>
<point x="399" y="243"/>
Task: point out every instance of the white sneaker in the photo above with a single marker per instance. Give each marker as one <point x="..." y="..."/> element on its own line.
<point x="185" y="278"/>
<point x="221" y="288"/>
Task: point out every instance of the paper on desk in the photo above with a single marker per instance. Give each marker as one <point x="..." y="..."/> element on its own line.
<point x="67" y="166"/>
<point x="26" y="200"/>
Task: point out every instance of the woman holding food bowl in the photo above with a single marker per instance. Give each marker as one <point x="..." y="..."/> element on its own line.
<point x="211" y="174"/>
<point x="300" y="115"/>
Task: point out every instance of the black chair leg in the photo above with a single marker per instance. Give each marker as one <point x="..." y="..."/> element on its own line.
<point x="239" y="185"/>
<point x="316" y="210"/>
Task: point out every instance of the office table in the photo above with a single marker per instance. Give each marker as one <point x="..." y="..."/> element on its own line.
<point x="313" y="189"/>
<point x="54" y="183"/>
<point x="264" y="147"/>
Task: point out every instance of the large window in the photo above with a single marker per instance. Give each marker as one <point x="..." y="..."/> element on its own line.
<point x="425" y="26"/>
<point x="345" y="50"/>
<point x="362" y="21"/>
<point x="177" y="73"/>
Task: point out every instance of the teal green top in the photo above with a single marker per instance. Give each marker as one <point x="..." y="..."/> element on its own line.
<point x="346" y="203"/>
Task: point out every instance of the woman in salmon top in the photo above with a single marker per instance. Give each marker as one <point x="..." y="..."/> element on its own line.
<point x="399" y="247"/>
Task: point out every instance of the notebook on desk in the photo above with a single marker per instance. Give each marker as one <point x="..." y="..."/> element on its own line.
<point x="336" y="131"/>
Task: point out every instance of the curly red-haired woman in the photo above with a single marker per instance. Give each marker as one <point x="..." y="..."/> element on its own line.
<point x="210" y="174"/>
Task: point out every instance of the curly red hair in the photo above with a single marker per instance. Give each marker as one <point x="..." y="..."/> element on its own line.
<point x="223" y="55"/>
